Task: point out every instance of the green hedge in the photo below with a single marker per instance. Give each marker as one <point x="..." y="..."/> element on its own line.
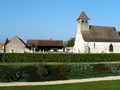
<point x="44" y="72"/>
<point x="57" y="57"/>
<point x="30" y="73"/>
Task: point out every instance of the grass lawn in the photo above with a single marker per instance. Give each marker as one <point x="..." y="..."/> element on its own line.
<point x="104" y="85"/>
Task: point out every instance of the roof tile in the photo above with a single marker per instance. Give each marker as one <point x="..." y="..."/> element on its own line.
<point x="45" y="42"/>
<point x="101" y="34"/>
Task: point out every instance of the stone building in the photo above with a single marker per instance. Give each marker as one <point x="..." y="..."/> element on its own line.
<point x="16" y="45"/>
<point x="1" y="48"/>
<point x="95" y="39"/>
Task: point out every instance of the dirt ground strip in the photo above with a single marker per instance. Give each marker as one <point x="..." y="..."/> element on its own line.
<point x="59" y="82"/>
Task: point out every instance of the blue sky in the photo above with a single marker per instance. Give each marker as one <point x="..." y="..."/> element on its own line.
<point x="53" y="19"/>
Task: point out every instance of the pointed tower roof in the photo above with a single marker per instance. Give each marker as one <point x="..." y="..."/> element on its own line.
<point x="83" y="16"/>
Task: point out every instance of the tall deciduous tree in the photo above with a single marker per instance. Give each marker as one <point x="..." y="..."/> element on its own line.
<point x="70" y="42"/>
<point x="33" y="47"/>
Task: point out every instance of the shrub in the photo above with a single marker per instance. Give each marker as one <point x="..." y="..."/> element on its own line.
<point x="30" y="73"/>
<point x="101" y="68"/>
<point x="55" y="72"/>
<point x="44" y="72"/>
<point x="11" y="73"/>
<point x="58" y="57"/>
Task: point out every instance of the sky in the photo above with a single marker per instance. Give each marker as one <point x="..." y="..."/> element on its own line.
<point x="53" y="19"/>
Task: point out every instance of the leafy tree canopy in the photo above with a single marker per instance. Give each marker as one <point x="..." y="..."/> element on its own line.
<point x="70" y="42"/>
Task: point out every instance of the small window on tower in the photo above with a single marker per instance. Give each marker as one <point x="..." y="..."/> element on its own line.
<point x="86" y="21"/>
<point x="82" y="21"/>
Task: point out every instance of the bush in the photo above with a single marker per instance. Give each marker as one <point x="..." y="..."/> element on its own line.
<point x="101" y="68"/>
<point x="58" y="57"/>
<point x="11" y="73"/>
<point x="35" y="73"/>
<point x="30" y="73"/>
<point x="1" y="55"/>
<point x="55" y="72"/>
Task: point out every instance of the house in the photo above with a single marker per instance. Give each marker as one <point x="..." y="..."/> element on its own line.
<point x="46" y="45"/>
<point x="1" y="48"/>
<point x="95" y="39"/>
<point x="16" y="45"/>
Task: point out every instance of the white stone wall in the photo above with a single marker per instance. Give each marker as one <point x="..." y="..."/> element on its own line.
<point x="69" y="49"/>
<point x="97" y="47"/>
<point x="79" y="46"/>
<point x="15" y="46"/>
<point x="103" y="47"/>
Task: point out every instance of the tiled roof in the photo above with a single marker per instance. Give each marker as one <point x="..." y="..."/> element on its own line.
<point x="45" y="42"/>
<point x="83" y="16"/>
<point x="101" y="34"/>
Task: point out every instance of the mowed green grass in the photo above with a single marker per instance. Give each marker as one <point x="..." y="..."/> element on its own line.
<point x="102" y="85"/>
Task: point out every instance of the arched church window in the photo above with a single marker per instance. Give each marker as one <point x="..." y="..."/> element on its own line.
<point x="94" y="45"/>
<point x="88" y="49"/>
<point x="111" y="48"/>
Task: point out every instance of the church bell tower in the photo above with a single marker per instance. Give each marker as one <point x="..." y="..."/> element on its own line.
<point x="83" y="22"/>
<point x="82" y="25"/>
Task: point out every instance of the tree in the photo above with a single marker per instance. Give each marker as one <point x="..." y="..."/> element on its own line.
<point x="32" y="47"/>
<point x="119" y="33"/>
<point x="6" y="41"/>
<point x="70" y="42"/>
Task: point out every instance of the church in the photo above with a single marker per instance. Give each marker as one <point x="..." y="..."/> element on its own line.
<point x="95" y="39"/>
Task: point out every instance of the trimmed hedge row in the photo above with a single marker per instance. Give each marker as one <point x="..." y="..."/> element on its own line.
<point x="44" y="72"/>
<point x="30" y="73"/>
<point x="57" y="57"/>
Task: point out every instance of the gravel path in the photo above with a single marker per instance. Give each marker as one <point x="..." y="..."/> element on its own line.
<point x="59" y="82"/>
